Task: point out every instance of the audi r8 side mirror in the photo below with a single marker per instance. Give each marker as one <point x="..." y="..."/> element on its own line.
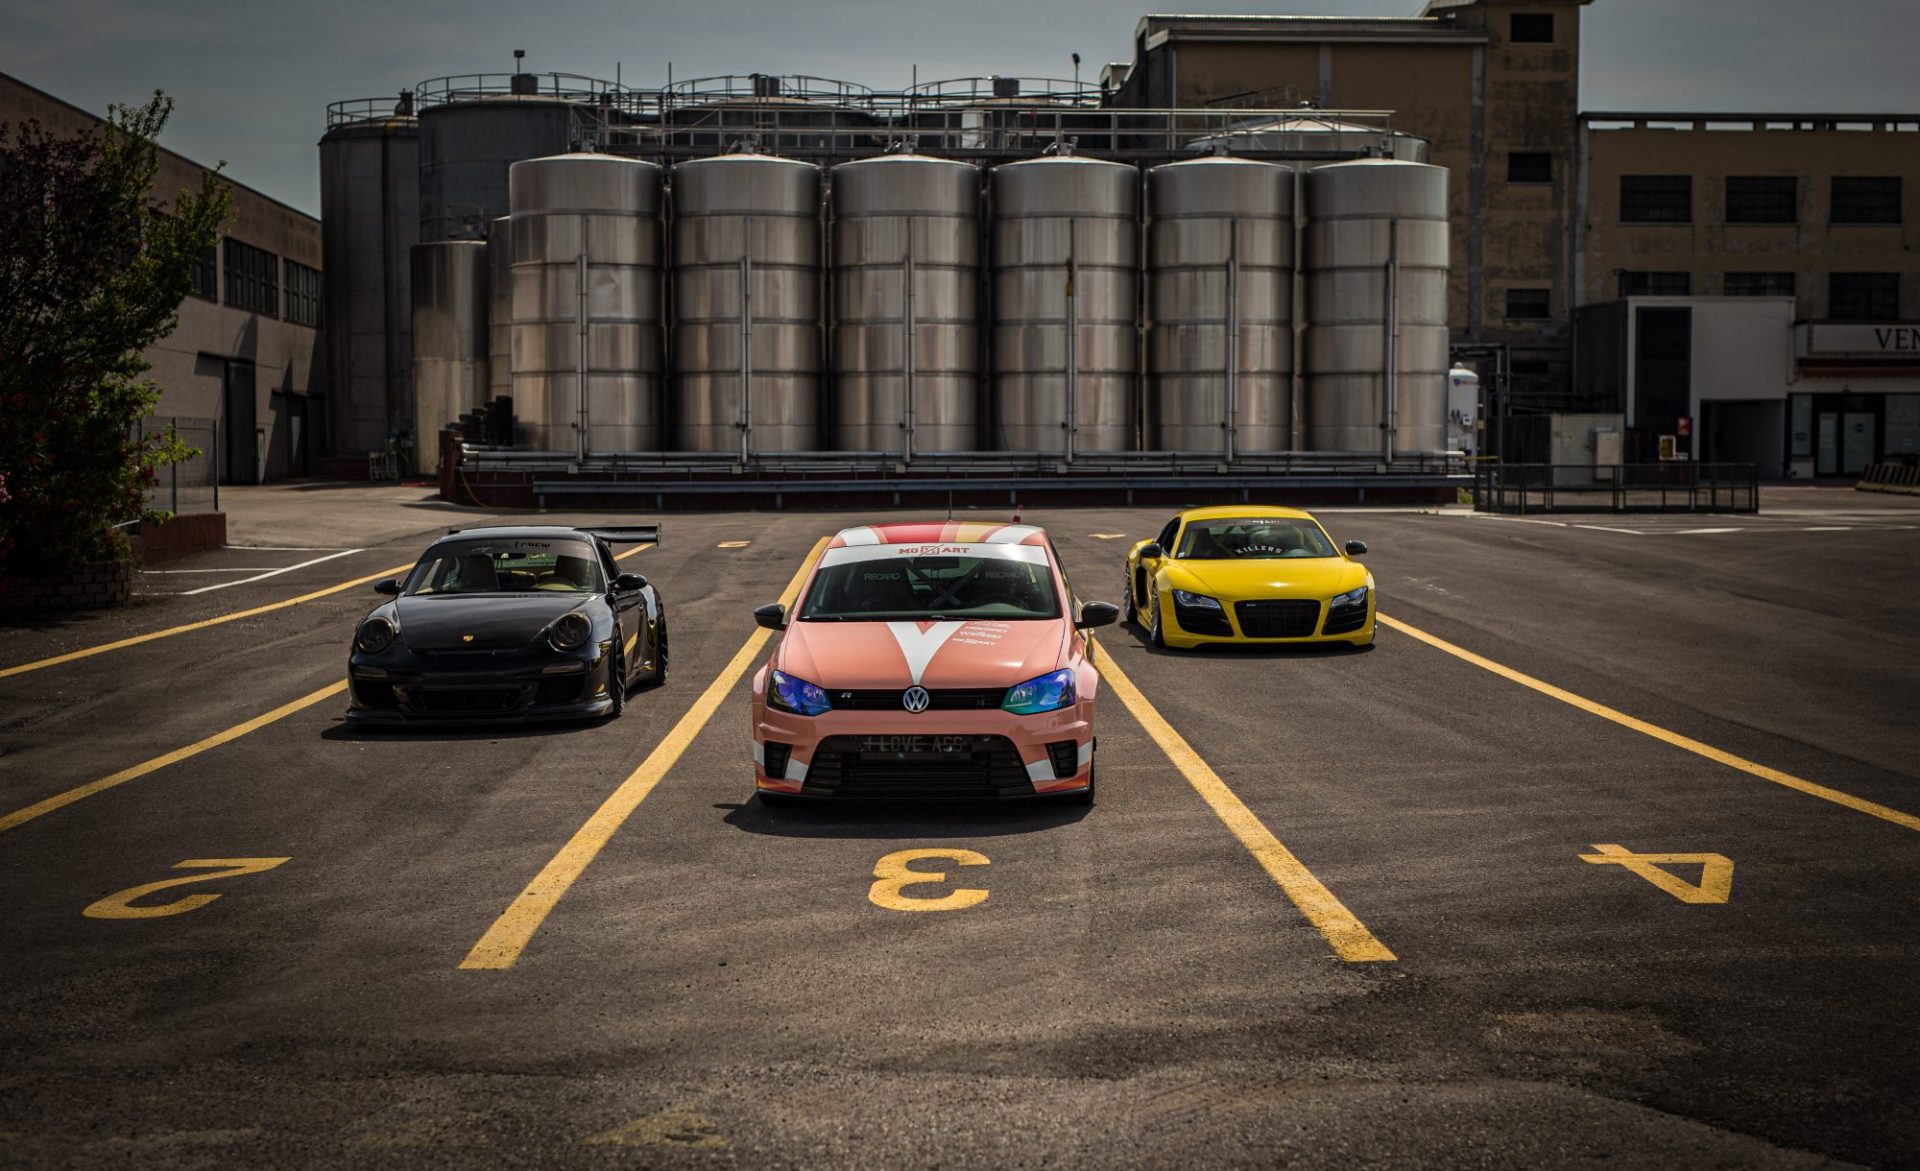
<point x="1152" y="549"/>
<point x="1097" y="614"/>
<point x="773" y="616"/>
<point x="626" y="583"/>
<point x="390" y="587"/>
<point x="1355" y="548"/>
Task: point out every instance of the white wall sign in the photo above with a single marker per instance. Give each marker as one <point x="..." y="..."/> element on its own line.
<point x="1894" y="339"/>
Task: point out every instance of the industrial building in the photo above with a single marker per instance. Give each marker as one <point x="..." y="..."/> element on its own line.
<point x="244" y="353"/>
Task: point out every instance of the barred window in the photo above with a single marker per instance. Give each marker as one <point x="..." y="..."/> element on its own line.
<point x="1763" y="199"/>
<point x="1656" y="284"/>
<point x="1866" y="201"/>
<point x="1656" y="199"/>
<point x="1531" y="28"/>
<point x="206" y="274"/>
<point x="253" y="279"/>
<point x="1529" y="167"/>
<point x="1528" y="304"/>
<point x="303" y="294"/>
<point x="1759" y="284"/>
<point x="1863" y="296"/>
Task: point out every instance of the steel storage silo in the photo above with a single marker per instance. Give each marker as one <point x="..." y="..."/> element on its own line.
<point x="1376" y="267"/>
<point x="500" y="307"/>
<point x="369" y="223"/>
<point x="746" y="295"/>
<point x="906" y="271"/>
<point x="1065" y="247"/>
<point x="467" y="143"/>
<point x="586" y="301"/>
<point x="1220" y="306"/>
<point x="450" y="301"/>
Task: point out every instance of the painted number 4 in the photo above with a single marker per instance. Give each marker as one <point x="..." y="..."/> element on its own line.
<point x="120" y="904"/>
<point x="1716" y="871"/>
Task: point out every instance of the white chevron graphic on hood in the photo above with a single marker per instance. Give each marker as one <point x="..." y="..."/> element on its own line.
<point x="919" y="646"/>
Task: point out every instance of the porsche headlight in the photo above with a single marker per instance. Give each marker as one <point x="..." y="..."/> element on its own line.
<point x="1048" y="693"/>
<point x="570" y="633"/>
<point x="1356" y="597"/>
<point x="375" y="635"/>
<point x="796" y="695"/>
<point x="1195" y="601"/>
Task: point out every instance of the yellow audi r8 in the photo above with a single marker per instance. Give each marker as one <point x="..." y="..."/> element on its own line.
<point x="1249" y="574"/>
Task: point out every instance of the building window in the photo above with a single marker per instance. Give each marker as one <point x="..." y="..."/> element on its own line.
<point x="1531" y="28"/>
<point x="1529" y="167"/>
<point x="1656" y="199"/>
<point x="253" y="279"/>
<point x="1863" y="296"/>
<point x="1866" y="201"/>
<point x="1528" y="305"/>
<point x="206" y="274"/>
<point x="1763" y="199"/>
<point x="303" y="294"/>
<point x="1759" y="284"/>
<point x="1656" y="284"/>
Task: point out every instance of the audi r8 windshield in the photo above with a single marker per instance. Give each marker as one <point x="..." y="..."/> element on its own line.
<point x="1253" y="540"/>
<point x="506" y="567"/>
<point x="934" y="587"/>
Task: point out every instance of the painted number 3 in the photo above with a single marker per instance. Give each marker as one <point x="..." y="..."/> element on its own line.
<point x="120" y="905"/>
<point x="892" y="877"/>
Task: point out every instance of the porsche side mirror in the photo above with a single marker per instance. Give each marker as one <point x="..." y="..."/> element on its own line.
<point x="1355" y="548"/>
<point x="1097" y="614"/>
<point x="626" y="583"/>
<point x="773" y="616"/>
<point x="1152" y="549"/>
<point x="390" y="587"/>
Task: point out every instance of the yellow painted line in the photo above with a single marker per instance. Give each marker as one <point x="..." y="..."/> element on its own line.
<point x="1859" y="804"/>
<point x="1350" y="938"/>
<point x="514" y="929"/>
<point x="137" y="639"/>
<point x="640" y="548"/>
<point x="61" y="800"/>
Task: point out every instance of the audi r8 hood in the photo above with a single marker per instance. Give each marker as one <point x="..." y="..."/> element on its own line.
<point x="875" y="655"/>
<point x="479" y="622"/>
<point x="1279" y="577"/>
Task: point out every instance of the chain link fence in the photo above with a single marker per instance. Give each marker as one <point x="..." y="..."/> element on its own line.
<point x="193" y="484"/>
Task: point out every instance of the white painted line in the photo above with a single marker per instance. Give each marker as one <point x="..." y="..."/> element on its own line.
<point x="1611" y="529"/>
<point x="276" y="572"/>
<point x="227" y="569"/>
<point x="1518" y="520"/>
<point x="1699" y="532"/>
<point x="1828" y="529"/>
<point x="286" y="548"/>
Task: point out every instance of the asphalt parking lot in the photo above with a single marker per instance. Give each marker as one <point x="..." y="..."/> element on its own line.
<point x="1494" y="795"/>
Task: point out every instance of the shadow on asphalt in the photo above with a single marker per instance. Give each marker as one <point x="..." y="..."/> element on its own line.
<point x="456" y="733"/>
<point x="1138" y="636"/>
<point x="945" y="820"/>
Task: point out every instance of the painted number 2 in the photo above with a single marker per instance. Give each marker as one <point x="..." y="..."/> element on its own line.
<point x="892" y="878"/>
<point x="120" y="905"/>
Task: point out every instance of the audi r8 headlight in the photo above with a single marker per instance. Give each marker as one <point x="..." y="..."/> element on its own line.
<point x="375" y="635"/>
<point x="792" y="694"/>
<point x="1350" y="598"/>
<point x="570" y="632"/>
<point x="1048" y="693"/>
<point x="1195" y="601"/>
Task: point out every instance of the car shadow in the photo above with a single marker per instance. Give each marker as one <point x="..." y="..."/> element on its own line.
<point x="1137" y="636"/>
<point x="945" y="820"/>
<point x="341" y="729"/>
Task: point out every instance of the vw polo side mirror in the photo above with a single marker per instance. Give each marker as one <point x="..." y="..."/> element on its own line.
<point x="773" y="616"/>
<point x="1097" y="614"/>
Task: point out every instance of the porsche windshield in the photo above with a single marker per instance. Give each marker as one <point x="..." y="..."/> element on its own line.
<point x="1253" y="539"/>
<point x="931" y="587"/>
<point x="506" y="567"/>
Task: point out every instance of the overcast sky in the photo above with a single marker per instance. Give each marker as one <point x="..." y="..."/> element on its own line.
<point x="252" y="78"/>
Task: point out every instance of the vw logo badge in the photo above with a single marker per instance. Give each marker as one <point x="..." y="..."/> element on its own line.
<point x="915" y="699"/>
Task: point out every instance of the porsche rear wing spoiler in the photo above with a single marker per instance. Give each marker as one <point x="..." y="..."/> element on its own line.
<point x="626" y="534"/>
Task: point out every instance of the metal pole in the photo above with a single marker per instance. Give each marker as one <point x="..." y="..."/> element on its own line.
<point x="1390" y="384"/>
<point x="1297" y="416"/>
<point x="173" y="469"/>
<point x="213" y="463"/>
<point x="1233" y="336"/>
<point x="580" y="368"/>
<point x="1073" y="332"/>
<point x="746" y="345"/>
<point x="908" y="415"/>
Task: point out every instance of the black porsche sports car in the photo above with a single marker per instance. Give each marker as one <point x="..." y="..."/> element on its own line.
<point x="510" y="624"/>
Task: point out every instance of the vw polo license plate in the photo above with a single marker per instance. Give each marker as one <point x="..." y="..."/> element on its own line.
<point x="915" y="747"/>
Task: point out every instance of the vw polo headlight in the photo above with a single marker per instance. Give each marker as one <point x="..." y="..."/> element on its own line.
<point x="1355" y="597"/>
<point x="1048" y="693"/>
<point x="375" y="635"/>
<point x="570" y="632"/>
<point x="1195" y="601"/>
<point x="793" y="694"/>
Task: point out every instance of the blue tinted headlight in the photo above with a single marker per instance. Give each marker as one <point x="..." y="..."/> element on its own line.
<point x="1350" y="598"/>
<point x="797" y="695"/>
<point x="1195" y="601"/>
<point x="1048" y="693"/>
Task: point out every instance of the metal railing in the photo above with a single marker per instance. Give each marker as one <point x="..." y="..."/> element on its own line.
<point x="193" y="484"/>
<point x="1676" y="486"/>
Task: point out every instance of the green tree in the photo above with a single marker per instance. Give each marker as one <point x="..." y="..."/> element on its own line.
<point x="93" y="267"/>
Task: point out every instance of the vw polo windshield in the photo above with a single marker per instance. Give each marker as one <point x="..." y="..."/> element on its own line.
<point x="887" y="584"/>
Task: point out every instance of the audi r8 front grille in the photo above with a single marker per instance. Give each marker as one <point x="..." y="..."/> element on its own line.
<point x="1278" y="618"/>
<point x="944" y="699"/>
<point x="881" y="767"/>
